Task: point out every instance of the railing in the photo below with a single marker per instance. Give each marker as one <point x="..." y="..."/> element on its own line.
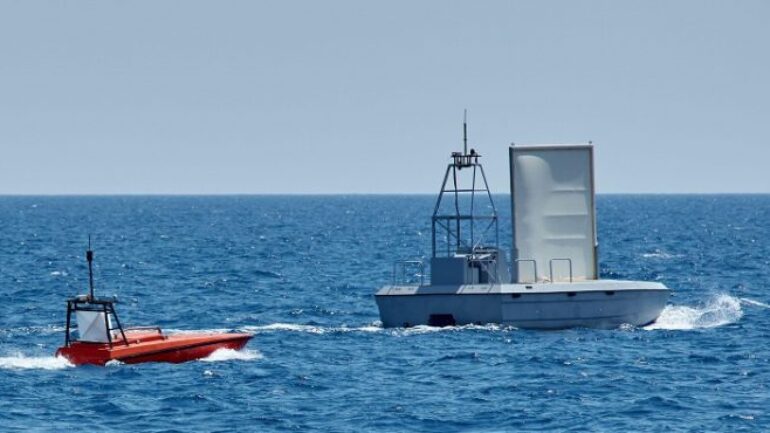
<point x="403" y="264"/>
<point x="487" y="265"/>
<point x="145" y="328"/>
<point x="550" y="266"/>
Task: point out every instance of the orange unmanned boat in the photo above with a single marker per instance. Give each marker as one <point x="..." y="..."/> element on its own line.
<point x="101" y="337"/>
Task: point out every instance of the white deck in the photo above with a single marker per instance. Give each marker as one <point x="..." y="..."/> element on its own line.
<point x="533" y="288"/>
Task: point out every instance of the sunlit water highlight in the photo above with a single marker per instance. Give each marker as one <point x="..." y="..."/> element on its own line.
<point x="233" y="355"/>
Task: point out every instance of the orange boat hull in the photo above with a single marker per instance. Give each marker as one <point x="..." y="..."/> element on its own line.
<point x="152" y="347"/>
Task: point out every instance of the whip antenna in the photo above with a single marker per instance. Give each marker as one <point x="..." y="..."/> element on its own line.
<point x="90" y="259"/>
<point x="465" y="132"/>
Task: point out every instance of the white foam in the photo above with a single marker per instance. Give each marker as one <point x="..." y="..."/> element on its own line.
<point x="754" y="303"/>
<point x="368" y="328"/>
<point x="421" y="329"/>
<point x="22" y="362"/>
<point x="50" y="329"/>
<point x="371" y="328"/>
<point x="658" y="254"/>
<point x="425" y="329"/>
<point x="719" y="310"/>
<point x="233" y="355"/>
<point x="311" y="329"/>
<point x="287" y="327"/>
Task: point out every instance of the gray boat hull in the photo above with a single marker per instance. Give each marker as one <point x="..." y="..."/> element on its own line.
<point x="590" y="304"/>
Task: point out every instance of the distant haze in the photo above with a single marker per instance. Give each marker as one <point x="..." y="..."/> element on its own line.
<point x="367" y="97"/>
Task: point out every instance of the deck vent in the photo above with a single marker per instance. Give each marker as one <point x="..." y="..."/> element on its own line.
<point x="571" y="294"/>
<point x="609" y="292"/>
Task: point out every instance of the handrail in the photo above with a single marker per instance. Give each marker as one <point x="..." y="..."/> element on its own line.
<point x="534" y="265"/>
<point x="550" y="265"/>
<point x="403" y="264"/>
<point x="145" y="328"/>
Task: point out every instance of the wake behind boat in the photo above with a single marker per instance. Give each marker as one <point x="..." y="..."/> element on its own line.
<point x="101" y="337"/>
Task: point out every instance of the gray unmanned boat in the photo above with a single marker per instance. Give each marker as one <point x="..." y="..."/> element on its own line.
<point x="552" y="281"/>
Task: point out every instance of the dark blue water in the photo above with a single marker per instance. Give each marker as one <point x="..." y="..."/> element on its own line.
<point x="300" y="272"/>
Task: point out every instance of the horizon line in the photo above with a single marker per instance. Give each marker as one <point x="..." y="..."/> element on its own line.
<point x="322" y="194"/>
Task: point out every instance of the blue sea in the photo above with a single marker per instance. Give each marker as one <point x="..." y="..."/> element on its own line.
<point x="300" y="273"/>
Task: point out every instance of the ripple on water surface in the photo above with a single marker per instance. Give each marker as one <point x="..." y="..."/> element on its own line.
<point x="300" y="272"/>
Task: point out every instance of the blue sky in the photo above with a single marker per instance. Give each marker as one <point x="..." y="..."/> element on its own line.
<point x="367" y="97"/>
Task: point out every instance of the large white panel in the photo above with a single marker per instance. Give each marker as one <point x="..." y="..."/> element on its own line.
<point x="552" y="196"/>
<point x="91" y="326"/>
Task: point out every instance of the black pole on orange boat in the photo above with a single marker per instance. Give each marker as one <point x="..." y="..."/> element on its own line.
<point x="90" y="259"/>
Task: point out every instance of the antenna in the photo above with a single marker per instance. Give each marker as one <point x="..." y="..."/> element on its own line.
<point x="465" y="132"/>
<point x="90" y="259"/>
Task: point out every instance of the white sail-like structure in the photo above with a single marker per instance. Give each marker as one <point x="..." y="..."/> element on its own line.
<point x="92" y="326"/>
<point x="554" y="222"/>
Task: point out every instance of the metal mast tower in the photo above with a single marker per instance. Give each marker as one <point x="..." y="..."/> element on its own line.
<point x="459" y="227"/>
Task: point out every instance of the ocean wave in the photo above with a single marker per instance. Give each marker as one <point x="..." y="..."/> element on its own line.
<point x="311" y="329"/>
<point x="753" y="303"/>
<point x="719" y="310"/>
<point x="658" y="254"/>
<point x="424" y="329"/>
<point x="233" y="355"/>
<point x="267" y="274"/>
<point x="372" y="328"/>
<point x="274" y="327"/>
<point x="293" y="327"/>
<point x="26" y="330"/>
<point x="20" y="361"/>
